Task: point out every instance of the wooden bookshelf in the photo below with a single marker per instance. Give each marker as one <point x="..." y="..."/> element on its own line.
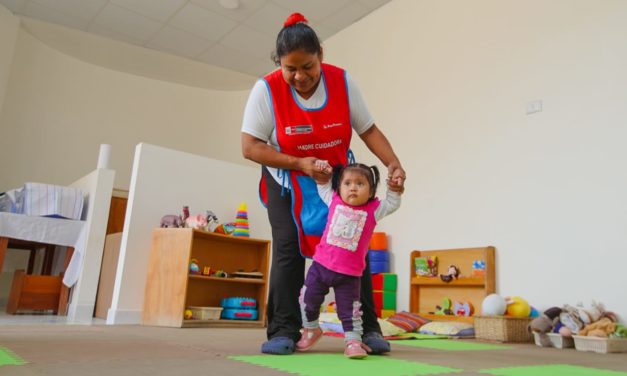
<point x="425" y="293"/>
<point x="170" y="288"/>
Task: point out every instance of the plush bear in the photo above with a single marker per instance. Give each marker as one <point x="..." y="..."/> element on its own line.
<point x="602" y="328"/>
<point x="545" y="322"/>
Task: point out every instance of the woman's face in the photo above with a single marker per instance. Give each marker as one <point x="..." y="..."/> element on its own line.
<point x="301" y="70"/>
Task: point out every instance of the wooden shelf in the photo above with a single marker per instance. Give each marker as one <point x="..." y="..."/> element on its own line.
<point x="222" y="323"/>
<point x="436" y="281"/>
<point x="170" y="289"/>
<point x="433" y="317"/>
<point x="425" y="293"/>
<point x="257" y="281"/>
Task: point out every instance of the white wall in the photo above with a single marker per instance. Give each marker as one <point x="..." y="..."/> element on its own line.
<point x="58" y="109"/>
<point x="163" y="181"/>
<point x="9" y="24"/>
<point x="98" y="186"/>
<point x="448" y="82"/>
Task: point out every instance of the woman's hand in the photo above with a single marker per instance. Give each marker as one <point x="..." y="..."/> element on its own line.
<point x="317" y="170"/>
<point x="396" y="177"/>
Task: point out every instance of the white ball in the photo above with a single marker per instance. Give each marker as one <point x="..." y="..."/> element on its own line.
<point x="493" y="305"/>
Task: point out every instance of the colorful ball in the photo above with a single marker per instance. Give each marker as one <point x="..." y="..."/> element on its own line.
<point x="518" y="307"/>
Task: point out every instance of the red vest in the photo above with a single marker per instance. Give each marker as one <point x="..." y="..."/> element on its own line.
<point x="323" y="132"/>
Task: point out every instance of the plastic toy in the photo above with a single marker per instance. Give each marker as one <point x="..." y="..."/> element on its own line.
<point x="493" y="305"/>
<point x="187" y="315"/>
<point x="463" y="309"/>
<point x="445" y="308"/>
<point x="239" y="302"/>
<point x="241" y="221"/>
<point x="193" y="267"/>
<point x="171" y="220"/>
<point x="206" y="270"/>
<point x="196" y="221"/>
<point x="225" y="228"/>
<point x="517" y="306"/>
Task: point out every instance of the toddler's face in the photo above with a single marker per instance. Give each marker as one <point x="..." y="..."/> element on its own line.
<point x="354" y="188"/>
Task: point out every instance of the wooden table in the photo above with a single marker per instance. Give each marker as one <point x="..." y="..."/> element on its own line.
<point x="30" y="291"/>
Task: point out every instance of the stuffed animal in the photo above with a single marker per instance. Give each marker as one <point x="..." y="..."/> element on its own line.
<point x="212" y="221"/>
<point x="545" y="322"/>
<point x="453" y="273"/>
<point x="591" y="314"/>
<point x="171" y="220"/>
<point x="197" y="221"/>
<point x="569" y="317"/>
<point x="602" y="328"/>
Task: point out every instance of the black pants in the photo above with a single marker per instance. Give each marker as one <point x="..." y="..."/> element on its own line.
<point x="287" y="271"/>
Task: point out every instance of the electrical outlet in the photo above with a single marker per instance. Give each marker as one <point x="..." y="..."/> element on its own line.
<point x="534" y="106"/>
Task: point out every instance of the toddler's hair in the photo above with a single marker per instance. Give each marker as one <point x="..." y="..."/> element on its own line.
<point x="370" y="172"/>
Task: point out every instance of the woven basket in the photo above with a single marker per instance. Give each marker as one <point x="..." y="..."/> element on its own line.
<point x="503" y="328"/>
<point x="601" y="345"/>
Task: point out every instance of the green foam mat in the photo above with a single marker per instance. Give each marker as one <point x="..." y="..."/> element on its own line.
<point x="421" y="336"/>
<point x="338" y="364"/>
<point x="552" y="370"/>
<point x="451" y="345"/>
<point x="8" y="358"/>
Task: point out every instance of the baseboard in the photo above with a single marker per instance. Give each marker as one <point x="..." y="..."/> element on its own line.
<point x="80" y="314"/>
<point x="124" y="317"/>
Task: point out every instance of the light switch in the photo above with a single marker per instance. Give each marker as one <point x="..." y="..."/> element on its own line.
<point x="534" y="106"/>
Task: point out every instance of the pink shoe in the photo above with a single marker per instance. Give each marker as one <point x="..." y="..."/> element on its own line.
<point x="355" y="349"/>
<point x="308" y="339"/>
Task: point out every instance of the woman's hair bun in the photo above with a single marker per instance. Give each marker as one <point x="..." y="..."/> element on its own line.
<point x="294" y="18"/>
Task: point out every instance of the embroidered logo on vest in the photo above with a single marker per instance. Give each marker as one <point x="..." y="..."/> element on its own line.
<point x="298" y="129"/>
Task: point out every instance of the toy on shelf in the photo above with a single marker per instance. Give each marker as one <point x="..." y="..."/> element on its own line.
<point x="452" y="273"/>
<point x="463" y="309"/>
<point x="187" y="315"/>
<point x="445" y="308"/>
<point x="206" y="271"/>
<point x="426" y="266"/>
<point x="197" y="221"/>
<point x="241" y="221"/>
<point x="193" y="266"/>
<point x="225" y="228"/>
<point x="212" y="220"/>
<point x="493" y="305"/>
<point x="239" y="308"/>
<point x="478" y="268"/>
<point x="171" y="220"/>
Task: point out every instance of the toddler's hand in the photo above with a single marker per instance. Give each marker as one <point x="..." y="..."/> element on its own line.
<point x="323" y="166"/>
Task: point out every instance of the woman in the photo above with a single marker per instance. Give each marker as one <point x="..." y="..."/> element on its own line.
<point x="303" y="112"/>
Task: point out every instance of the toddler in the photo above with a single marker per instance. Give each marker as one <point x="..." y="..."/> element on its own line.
<point x="340" y="256"/>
